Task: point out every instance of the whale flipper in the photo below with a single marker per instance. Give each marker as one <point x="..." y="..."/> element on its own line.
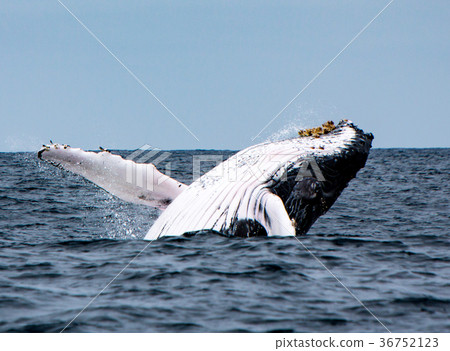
<point x="139" y="183"/>
<point x="269" y="213"/>
<point x="275" y="218"/>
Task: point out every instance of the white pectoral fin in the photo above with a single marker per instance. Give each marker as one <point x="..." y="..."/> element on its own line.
<point x="273" y="217"/>
<point x="133" y="182"/>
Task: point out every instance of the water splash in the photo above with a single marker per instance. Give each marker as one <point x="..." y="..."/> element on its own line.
<point x="304" y="116"/>
<point x="125" y="220"/>
<point x="21" y="143"/>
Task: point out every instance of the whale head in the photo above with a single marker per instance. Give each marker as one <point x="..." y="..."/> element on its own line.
<point x="311" y="184"/>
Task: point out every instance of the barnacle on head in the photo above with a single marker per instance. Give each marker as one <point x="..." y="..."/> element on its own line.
<point x="318" y="131"/>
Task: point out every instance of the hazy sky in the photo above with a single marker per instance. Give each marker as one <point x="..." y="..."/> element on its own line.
<point x="224" y="68"/>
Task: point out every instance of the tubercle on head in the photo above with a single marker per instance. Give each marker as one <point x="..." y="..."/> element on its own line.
<point x="316" y="132"/>
<point x="51" y="146"/>
<point x="102" y="149"/>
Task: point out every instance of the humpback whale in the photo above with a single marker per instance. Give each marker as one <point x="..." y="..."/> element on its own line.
<point x="269" y="189"/>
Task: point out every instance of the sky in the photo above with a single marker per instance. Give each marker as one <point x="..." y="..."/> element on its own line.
<point x="224" y="69"/>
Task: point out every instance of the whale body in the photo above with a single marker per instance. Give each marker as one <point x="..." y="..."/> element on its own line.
<point x="269" y="189"/>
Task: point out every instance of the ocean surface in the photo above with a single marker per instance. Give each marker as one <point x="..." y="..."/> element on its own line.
<point x="62" y="240"/>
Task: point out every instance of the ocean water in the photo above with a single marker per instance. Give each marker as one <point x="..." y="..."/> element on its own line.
<point x="62" y="240"/>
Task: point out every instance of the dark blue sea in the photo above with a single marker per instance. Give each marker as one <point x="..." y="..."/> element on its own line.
<point x="62" y="240"/>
